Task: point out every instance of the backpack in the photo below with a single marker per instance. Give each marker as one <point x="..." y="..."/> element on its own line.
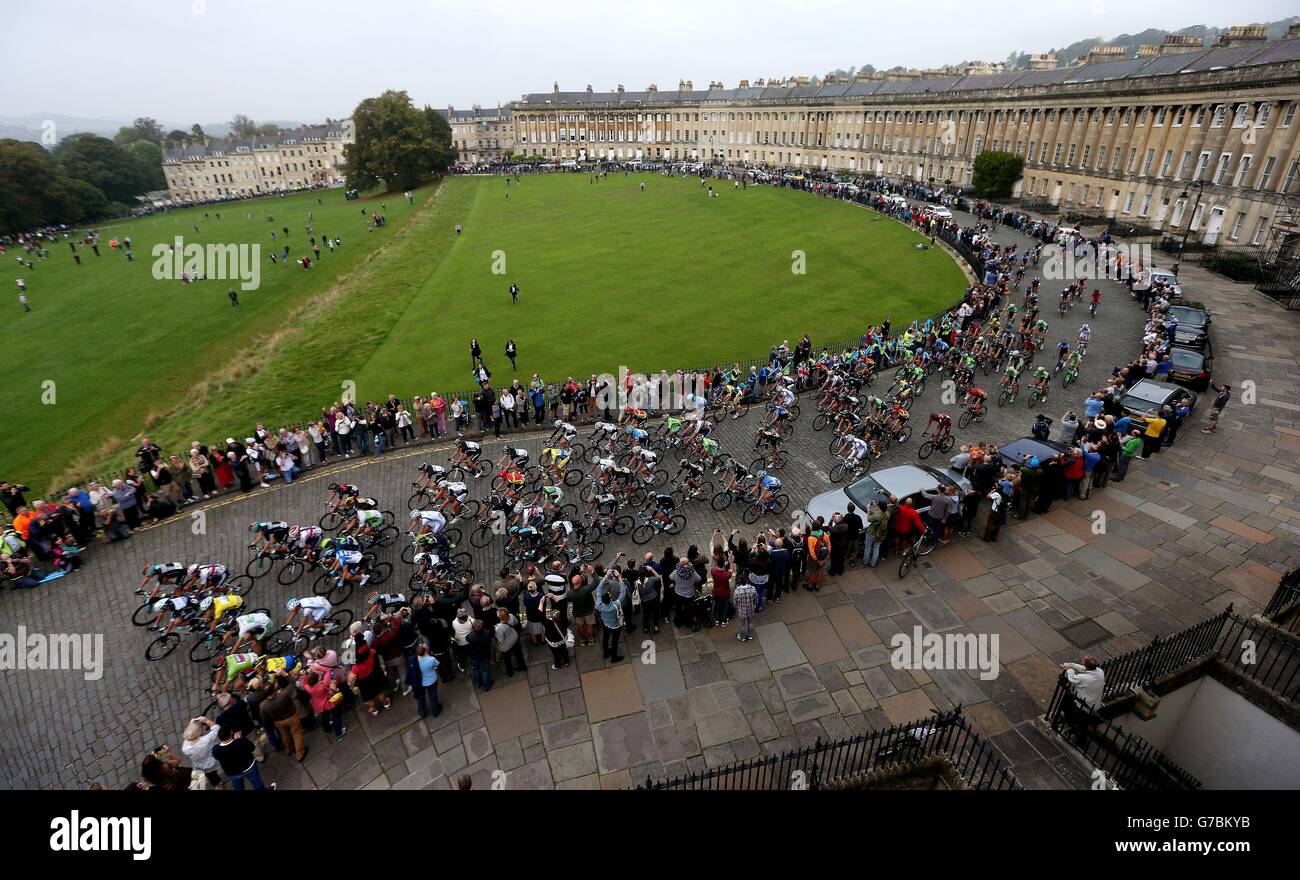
<point x="822" y="551"/>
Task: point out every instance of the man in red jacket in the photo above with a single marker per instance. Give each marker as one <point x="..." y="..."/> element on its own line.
<point x="907" y="525"/>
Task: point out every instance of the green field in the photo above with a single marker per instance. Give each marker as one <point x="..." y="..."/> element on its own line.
<point x="609" y="276"/>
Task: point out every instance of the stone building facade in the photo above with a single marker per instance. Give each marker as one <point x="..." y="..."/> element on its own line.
<point x="217" y="168"/>
<point x="1177" y="137"/>
<point x="481" y="134"/>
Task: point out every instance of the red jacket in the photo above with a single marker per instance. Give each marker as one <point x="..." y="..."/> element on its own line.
<point x="907" y="520"/>
<point x="1074" y="467"/>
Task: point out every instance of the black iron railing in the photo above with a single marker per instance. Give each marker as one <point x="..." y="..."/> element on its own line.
<point x="1161" y="657"/>
<point x="1126" y="759"/>
<point x="1284" y="608"/>
<point x="948" y="736"/>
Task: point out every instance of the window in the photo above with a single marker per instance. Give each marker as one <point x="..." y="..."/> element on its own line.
<point x="1114" y="163"/>
<point x="1259" y="230"/>
<point x="1198" y="118"/>
<point x="1056" y="154"/>
<point x="1084" y="199"/>
<point x="1146" y="206"/>
<point x="1243" y="166"/>
<point x="1179" y="208"/>
<point x="1242" y="114"/>
<point x="1182" y="166"/>
<point x="1069" y="160"/>
<point x="1160" y="116"/>
<point x="1261" y="117"/>
<point x="1224" y="160"/>
<point x="1220" y="111"/>
<point x="1236" y="225"/>
<point x="1201" y="165"/>
<point x="1164" y="163"/>
<point x="1291" y="172"/>
<point x="1267" y="174"/>
<point x="1030" y="154"/>
<point x="1069" y="196"/>
<point x="1288" y="115"/>
<point x="1087" y="151"/>
<point x="1132" y="159"/>
<point x="1146" y="163"/>
<point x="1042" y="156"/>
<point x="1128" y="202"/>
<point x="1101" y="157"/>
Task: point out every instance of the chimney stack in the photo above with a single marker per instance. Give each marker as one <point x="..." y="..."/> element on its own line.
<point x="588" y="88"/>
<point x="620" y="88"/>
<point x="1106" y="53"/>
<point x="1244" y="35"/>
<point x="1293" y="31"/>
<point x="652" y="88"/>
<point x="744" y="84"/>
<point x="1178" y="44"/>
<point x="1147" y="50"/>
<point x="1042" y="61"/>
<point x="556" y="86"/>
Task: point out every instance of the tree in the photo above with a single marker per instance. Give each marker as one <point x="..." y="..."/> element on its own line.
<point x="268" y="128"/>
<point x="395" y="143"/>
<point x="103" y="164"/>
<point x="147" y="157"/>
<point x="443" y="153"/>
<point x="33" y="192"/>
<point x="196" y="132"/>
<point x="145" y="128"/>
<point x="242" y="126"/>
<point x="996" y="173"/>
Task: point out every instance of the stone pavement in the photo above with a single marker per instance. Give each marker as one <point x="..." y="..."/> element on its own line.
<point x="1211" y="521"/>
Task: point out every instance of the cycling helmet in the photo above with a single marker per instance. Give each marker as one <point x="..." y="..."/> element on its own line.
<point x="557" y="423"/>
<point x="148" y="570"/>
<point x="292" y="604"/>
<point x="294" y="532"/>
<point x="206" y="603"/>
<point x="333" y="487"/>
<point x="192" y="569"/>
<point x="415" y="513"/>
<point x="252" y="527"/>
<point x="761" y="474"/>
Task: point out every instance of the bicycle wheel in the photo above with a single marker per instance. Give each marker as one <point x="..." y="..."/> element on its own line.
<point x="643" y="533"/>
<point x="144" y="614"/>
<point x="1005" y="397"/>
<point x="323" y="584"/>
<point x="675" y="525"/>
<point x="386" y="537"/>
<point x="480" y="537"/>
<point x="623" y="525"/>
<point x="963" y="421"/>
<point x="820" y="422"/>
<point x="592" y="550"/>
<point x="927" y="543"/>
<point x="408" y="554"/>
<point x="291" y="572"/>
<point x="162" y="646"/>
<point x="905" y="564"/>
<point x="722" y="500"/>
<point x="338" y="595"/>
<point x="259" y="566"/>
<point x="380" y="573"/>
<point x="752" y="513"/>
<point x="279" y="641"/>
<point x="461" y="562"/>
<point x="337" y="622"/>
<point x="905" y="434"/>
<point x="578" y="451"/>
<point x="453" y="536"/>
<point x="240" y="585"/>
<point x="1035" y="398"/>
<point x="470" y="509"/>
<point x="572" y="477"/>
<point x="780" y="503"/>
<point x="947" y="442"/>
<point x="926" y="448"/>
<point x="205" y="648"/>
<point x="330" y="521"/>
<point x="417" y="500"/>
<point x="839" y="473"/>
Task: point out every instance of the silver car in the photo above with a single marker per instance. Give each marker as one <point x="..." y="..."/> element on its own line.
<point x="903" y="481"/>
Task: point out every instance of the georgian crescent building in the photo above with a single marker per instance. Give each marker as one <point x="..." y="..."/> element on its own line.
<point x="1182" y="133"/>
<point x="221" y="168"/>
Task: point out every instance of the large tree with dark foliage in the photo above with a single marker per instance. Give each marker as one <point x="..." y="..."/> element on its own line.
<point x="995" y="173"/>
<point x="396" y="144"/>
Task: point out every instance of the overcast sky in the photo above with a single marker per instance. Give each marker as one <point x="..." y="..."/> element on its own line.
<point x="206" y="60"/>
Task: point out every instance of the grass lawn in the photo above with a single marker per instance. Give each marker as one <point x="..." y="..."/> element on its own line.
<point x="608" y="275"/>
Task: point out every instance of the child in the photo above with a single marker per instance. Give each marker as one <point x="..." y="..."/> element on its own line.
<point x="66" y="556"/>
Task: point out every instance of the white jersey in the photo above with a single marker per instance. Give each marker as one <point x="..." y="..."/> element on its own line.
<point x="255" y="622"/>
<point x="432" y="519"/>
<point x="458" y="490"/>
<point x="647" y="455"/>
<point x="314" y="608"/>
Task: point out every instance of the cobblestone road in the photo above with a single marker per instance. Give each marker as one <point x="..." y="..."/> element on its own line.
<point x="1209" y="522"/>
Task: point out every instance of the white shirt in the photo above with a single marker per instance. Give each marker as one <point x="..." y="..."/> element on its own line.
<point x="1089" y="684"/>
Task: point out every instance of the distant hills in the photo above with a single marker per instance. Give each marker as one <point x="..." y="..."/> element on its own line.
<point x="32" y="126"/>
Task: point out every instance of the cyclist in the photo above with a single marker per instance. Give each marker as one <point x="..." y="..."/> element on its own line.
<point x="551" y="497"/>
<point x="556" y="459"/>
<point x="780" y="416"/>
<point x="691" y="472"/>
<point x="1085" y="336"/>
<point x="897" y="418"/>
<point x="565" y="431"/>
<point x="663" y="505"/>
<point x="466" y="455"/>
<point x="512" y="457"/>
<point x="1062" y="352"/>
<point x="643" y="462"/>
<point x="1041" y="381"/>
<point x="313" y="610"/>
<point x="637" y="435"/>
<point x="430" y="475"/>
<point x="268" y="536"/>
<point x="339" y="492"/>
<point x="765" y="487"/>
<point x="1011" y="377"/>
<point x="772" y="439"/>
<point x="943" y="425"/>
<point x="231" y="669"/>
<point x="453" y="495"/>
<point x="711" y="452"/>
<point x="167" y="574"/>
<point x="345" y="564"/>
<point x="386" y="603"/>
<point x="974" y="401"/>
<point x="176" y="604"/>
<point x="306" y="539"/>
<point x="217" y="607"/>
<point x="1096" y="301"/>
<point x="367" y="524"/>
<point x="209" y="577"/>
<point x="858" y="450"/>
<point x="431" y="521"/>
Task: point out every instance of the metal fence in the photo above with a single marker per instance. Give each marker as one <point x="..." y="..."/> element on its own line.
<point x="1284" y="608"/>
<point x="1258" y="651"/>
<point x="1126" y="758"/>
<point x="947" y="736"/>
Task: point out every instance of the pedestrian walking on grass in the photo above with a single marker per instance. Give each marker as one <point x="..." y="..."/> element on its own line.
<point x="511" y="352"/>
<point x="234" y="298"/>
<point x="514" y="292"/>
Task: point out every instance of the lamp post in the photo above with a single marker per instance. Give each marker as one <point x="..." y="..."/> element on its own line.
<point x="1200" y="188"/>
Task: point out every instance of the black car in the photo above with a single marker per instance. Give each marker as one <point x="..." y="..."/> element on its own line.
<point x="1015" y="451"/>
<point x="1150" y="395"/>
<point x="1191" y="323"/>
<point x="1192" y="367"/>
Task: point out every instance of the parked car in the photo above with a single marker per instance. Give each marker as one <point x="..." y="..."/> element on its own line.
<point x="939" y="211"/>
<point x="903" y="481"/>
<point x="1192" y="320"/>
<point x="1167" y="279"/>
<point x="1015" y="451"/>
<point x="1149" y="394"/>
<point x="1191" y="366"/>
